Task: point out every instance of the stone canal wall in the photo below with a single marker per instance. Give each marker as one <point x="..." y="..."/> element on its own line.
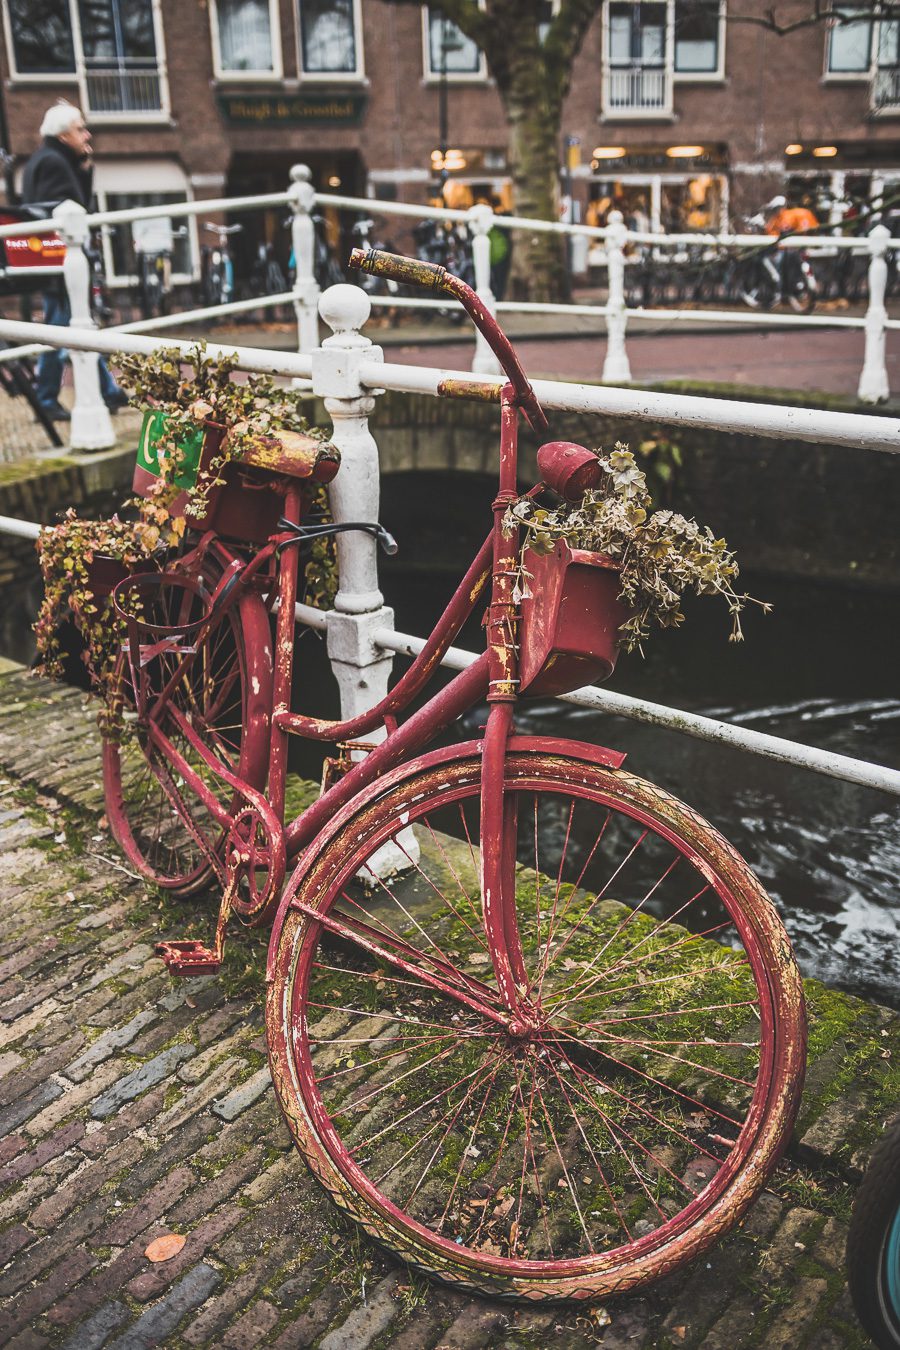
<point x="132" y="1105"/>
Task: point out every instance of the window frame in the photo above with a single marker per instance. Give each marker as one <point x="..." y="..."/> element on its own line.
<point x="356" y="76"/>
<point x="662" y="113"/>
<point x="716" y="76"/>
<point x="17" y="76"/>
<point x="830" y="76"/>
<point x="273" y="76"/>
<point x="155" y="116"/>
<point x="431" y="77"/>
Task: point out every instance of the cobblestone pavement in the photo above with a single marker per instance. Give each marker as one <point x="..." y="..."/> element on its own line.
<point x="133" y="1105"/>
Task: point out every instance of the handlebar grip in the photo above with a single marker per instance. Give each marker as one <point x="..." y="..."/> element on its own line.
<point x="411" y="271"/>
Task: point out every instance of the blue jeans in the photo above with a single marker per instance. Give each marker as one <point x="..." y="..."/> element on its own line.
<point x="50" y="364"/>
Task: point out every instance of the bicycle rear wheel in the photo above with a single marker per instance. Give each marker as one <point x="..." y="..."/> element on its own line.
<point x="225" y="694"/>
<point x="635" y="1118"/>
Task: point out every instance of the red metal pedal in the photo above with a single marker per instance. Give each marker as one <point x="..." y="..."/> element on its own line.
<point x="189" y="957"/>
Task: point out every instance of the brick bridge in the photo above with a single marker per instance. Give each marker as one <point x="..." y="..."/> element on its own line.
<point x="132" y="1105"/>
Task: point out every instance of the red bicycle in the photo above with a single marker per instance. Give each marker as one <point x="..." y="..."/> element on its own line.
<point x="532" y="1022"/>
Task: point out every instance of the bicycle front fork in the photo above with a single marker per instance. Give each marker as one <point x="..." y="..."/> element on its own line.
<point x="498" y="808"/>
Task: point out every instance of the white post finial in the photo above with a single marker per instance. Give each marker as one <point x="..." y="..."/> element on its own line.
<point x="303" y="238"/>
<point x="481" y="222"/>
<point x="873" y="380"/>
<point x="91" y="426"/>
<point x="616" y="369"/>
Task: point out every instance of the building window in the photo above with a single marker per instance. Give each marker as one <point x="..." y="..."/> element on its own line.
<point x="448" y="50"/>
<point x="637" y="75"/>
<point x="330" y="38"/>
<point x="40" y="37"/>
<point x="122" y="70"/>
<point x="697" y="37"/>
<point x="245" y="38"/>
<point x="850" y="47"/>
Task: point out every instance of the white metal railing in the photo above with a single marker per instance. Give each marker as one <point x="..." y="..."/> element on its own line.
<point x="91" y="427"/>
<point x="118" y="89"/>
<point x="637" y="89"/>
<point x="347" y="371"/>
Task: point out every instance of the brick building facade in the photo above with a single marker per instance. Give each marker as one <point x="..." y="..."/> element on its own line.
<point x="687" y="122"/>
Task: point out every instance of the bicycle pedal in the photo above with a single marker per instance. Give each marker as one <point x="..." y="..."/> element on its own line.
<point x="189" y="957"/>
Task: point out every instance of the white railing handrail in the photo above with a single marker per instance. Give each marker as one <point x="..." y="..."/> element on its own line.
<point x="861" y="430"/>
<point x="200" y="207"/>
<point x="826" y="762"/>
<point x="374" y="206"/>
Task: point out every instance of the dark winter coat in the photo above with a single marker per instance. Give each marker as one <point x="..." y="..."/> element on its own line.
<point x="55" y="174"/>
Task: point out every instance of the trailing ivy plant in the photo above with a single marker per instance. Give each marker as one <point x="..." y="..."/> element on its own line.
<point x="68" y="552"/>
<point x="661" y="554"/>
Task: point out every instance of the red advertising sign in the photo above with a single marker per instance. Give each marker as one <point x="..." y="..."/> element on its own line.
<point x="31" y="250"/>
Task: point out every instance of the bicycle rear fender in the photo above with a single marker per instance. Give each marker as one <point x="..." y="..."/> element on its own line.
<point x="544" y="745"/>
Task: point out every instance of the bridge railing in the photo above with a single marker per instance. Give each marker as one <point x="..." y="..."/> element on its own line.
<point x="91" y="427"/>
<point x="348" y="372"/>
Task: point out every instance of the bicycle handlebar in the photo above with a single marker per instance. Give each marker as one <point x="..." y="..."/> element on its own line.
<point x="415" y="272"/>
<point x="410" y="271"/>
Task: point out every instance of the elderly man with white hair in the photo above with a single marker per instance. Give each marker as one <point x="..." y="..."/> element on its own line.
<point x="62" y="169"/>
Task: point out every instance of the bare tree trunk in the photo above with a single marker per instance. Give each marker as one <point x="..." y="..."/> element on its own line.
<point x="538" y="264"/>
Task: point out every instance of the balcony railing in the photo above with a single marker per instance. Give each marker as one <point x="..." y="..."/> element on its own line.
<point x="886" y="89"/>
<point x="113" y="89"/>
<point x="637" y="89"/>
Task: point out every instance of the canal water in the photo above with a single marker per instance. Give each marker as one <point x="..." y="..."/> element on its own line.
<point x="823" y="669"/>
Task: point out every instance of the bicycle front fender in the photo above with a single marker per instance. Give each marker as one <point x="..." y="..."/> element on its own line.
<point x="432" y="759"/>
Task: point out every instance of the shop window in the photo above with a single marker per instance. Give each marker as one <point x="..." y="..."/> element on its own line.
<point x="850" y="47"/>
<point x="40" y="37"/>
<point x="122" y="237"/>
<point x="697" y="24"/>
<point x="243" y="38"/>
<point x="330" y="38"/>
<point x="448" y="50"/>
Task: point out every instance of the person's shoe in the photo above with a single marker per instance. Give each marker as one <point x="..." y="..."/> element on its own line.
<point x="56" y="412"/>
<point x="117" y="400"/>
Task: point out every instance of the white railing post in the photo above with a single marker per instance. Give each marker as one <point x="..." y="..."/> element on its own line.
<point x="303" y="238"/>
<point x="91" y="426"/>
<point x="873" y="381"/>
<point x="481" y="222"/>
<point x="616" y="369"/>
<point x="360" y="667"/>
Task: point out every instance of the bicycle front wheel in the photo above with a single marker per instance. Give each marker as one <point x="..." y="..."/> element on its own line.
<point x="224" y="694"/>
<point x="636" y="1116"/>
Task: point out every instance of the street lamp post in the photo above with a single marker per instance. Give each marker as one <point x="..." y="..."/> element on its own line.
<point x="450" y="42"/>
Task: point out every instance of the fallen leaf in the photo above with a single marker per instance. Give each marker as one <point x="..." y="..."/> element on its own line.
<point x="680" y="1333"/>
<point x="164" y="1248"/>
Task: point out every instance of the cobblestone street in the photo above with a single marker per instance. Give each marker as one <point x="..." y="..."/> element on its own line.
<point x="133" y="1105"/>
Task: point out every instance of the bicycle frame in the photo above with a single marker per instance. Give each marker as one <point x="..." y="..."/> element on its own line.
<point x="493" y="677"/>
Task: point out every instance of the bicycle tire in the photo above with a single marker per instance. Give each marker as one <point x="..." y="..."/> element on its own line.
<point x="873" y="1243"/>
<point x="227" y="697"/>
<point x="320" y="995"/>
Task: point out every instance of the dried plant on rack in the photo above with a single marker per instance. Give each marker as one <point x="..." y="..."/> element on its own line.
<point x="152" y="526"/>
<point x="661" y="554"/>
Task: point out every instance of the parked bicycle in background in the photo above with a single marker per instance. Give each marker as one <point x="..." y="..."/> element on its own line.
<point x="154" y="243"/>
<point x="217" y="265"/>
